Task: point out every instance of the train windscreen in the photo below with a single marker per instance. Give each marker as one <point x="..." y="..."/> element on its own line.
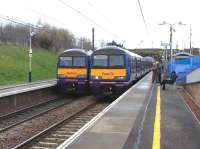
<point x="79" y="61"/>
<point x="72" y="62"/>
<point x="116" y="61"/>
<point x="108" y="61"/>
<point x="100" y="61"/>
<point x="65" y="62"/>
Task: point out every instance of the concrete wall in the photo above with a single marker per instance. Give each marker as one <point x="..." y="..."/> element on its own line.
<point x="194" y="90"/>
<point x="20" y="101"/>
<point x="193" y="76"/>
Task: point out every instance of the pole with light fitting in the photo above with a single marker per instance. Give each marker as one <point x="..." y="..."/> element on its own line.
<point x="30" y="54"/>
<point x="190" y="40"/>
<point x="171" y="34"/>
<point x="31" y="34"/>
<point x="171" y="29"/>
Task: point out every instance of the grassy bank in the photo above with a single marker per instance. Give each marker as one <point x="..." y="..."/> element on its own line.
<point x="14" y="64"/>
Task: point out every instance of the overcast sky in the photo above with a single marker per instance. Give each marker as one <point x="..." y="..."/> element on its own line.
<point x="121" y="20"/>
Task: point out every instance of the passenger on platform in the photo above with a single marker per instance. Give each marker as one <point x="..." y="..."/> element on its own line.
<point x="164" y="80"/>
<point x="173" y="77"/>
<point x="159" y="73"/>
<point x="154" y="73"/>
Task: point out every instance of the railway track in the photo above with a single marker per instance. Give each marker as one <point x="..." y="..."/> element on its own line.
<point x="53" y="136"/>
<point x="10" y="120"/>
<point x="21" y="132"/>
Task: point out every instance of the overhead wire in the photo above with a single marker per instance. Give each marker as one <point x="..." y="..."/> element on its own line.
<point x="26" y="24"/>
<point x="12" y="20"/>
<point x="143" y="18"/>
<point x="87" y="18"/>
<point x="50" y="17"/>
<point x="18" y="22"/>
<point x="99" y="12"/>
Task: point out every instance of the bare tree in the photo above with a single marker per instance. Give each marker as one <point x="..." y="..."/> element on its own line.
<point x="47" y="37"/>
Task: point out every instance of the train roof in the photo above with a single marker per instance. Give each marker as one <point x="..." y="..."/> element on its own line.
<point x="148" y="59"/>
<point x="182" y="55"/>
<point x="115" y="50"/>
<point x="75" y="52"/>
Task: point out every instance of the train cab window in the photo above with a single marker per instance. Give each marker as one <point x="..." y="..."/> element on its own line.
<point x="116" y="61"/>
<point x="78" y="61"/>
<point x="65" y="62"/>
<point x="100" y="60"/>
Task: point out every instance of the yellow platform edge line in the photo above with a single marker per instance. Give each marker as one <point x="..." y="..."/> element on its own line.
<point x="156" y="132"/>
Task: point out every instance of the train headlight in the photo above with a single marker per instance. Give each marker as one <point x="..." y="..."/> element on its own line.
<point x="120" y="78"/>
<point x="96" y="77"/>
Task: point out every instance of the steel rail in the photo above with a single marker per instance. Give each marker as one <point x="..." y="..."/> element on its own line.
<point x="53" y="127"/>
<point x="34" y="116"/>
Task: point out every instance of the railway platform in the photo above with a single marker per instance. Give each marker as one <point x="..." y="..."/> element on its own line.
<point x="21" y="88"/>
<point x="144" y="117"/>
<point x="18" y="97"/>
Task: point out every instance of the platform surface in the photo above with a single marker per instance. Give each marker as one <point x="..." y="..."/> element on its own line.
<point x="16" y="89"/>
<point x="112" y="130"/>
<point x="130" y="123"/>
<point x="179" y="127"/>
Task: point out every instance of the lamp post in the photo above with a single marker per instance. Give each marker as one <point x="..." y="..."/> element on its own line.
<point x="31" y="34"/>
<point x="171" y="29"/>
<point x="190" y="39"/>
<point x="30" y="54"/>
<point x="93" y="38"/>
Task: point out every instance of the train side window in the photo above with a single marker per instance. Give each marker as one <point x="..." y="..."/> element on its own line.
<point x="133" y="65"/>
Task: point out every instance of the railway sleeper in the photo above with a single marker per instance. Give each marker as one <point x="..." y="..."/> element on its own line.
<point x="61" y="131"/>
<point x="56" y="141"/>
<point x="70" y="132"/>
<point x="40" y="147"/>
<point x="69" y="127"/>
<point x="79" y="121"/>
<point x="86" y="116"/>
<point x="91" y="115"/>
<point x="78" y="124"/>
<point x="59" y="140"/>
<point x="47" y="144"/>
<point x="64" y="130"/>
<point x="67" y="132"/>
<point x="84" y="119"/>
<point x="65" y="136"/>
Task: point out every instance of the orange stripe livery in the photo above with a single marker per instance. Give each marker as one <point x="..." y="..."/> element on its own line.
<point x="108" y="74"/>
<point x="72" y="72"/>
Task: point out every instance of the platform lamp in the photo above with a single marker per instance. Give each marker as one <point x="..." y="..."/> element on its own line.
<point x="171" y="35"/>
<point x="31" y="34"/>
